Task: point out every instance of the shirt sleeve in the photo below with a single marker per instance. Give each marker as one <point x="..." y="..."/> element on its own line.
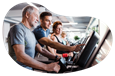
<point x="48" y="32"/>
<point x="36" y="42"/>
<point x="17" y="35"/>
<point x="39" y="34"/>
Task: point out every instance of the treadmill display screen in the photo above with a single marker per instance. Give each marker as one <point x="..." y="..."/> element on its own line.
<point x="87" y="50"/>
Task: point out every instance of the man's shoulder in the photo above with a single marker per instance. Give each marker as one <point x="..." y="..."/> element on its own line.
<point x="16" y="26"/>
<point x="37" y="29"/>
<point x="48" y="30"/>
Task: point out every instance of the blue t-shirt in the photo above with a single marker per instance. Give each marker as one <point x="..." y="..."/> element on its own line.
<point x="40" y="33"/>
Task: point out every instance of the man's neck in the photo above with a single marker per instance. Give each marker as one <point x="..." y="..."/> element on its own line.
<point x="25" y="23"/>
<point x="43" y="27"/>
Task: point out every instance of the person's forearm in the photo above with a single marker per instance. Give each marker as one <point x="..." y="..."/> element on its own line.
<point x="51" y="50"/>
<point x="60" y="55"/>
<point x="27" y="60"/>
<point x="56" y="45"/>
<point x="62" y="47"/>
<point x="47" y="54"/>
<point x="44" y="52"/>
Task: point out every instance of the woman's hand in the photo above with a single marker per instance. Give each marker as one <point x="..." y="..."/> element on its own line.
<point x="70" y="54"/>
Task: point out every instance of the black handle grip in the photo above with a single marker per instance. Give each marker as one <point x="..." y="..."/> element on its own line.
<point x="62" y="63"/>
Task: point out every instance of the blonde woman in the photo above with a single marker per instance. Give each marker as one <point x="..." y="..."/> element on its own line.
<point x="64" y="40"/>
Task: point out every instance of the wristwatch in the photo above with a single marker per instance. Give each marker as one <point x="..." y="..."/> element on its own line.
<point x="57" y="58"/>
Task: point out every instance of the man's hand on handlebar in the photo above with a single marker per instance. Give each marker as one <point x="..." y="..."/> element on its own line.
<point x="79" y="47"/>
<point x="53" y="67"/>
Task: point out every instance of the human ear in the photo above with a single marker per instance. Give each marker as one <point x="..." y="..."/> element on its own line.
<point x="27" y="14"/>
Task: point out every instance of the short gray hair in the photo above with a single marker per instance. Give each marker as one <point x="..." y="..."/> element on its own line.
<point x="27" y="9"/>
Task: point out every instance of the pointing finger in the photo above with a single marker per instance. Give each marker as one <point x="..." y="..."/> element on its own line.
<point x="81" y="44"/>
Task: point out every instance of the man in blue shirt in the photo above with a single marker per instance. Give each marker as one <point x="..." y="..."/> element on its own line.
<point x="42" y="32"/>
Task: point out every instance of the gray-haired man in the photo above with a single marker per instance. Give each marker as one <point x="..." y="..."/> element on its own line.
<point x="22" y="43"/>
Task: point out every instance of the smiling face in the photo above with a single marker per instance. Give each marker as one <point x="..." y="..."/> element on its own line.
<point x="57" y="27"/>
<point x="58" y="30"/>
<point x="46" y="22"/>
<point x="33" y="18"/>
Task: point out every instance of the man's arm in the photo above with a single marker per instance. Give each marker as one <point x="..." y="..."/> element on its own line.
<point x="44" y="52"/>
<point x="58" y="46"/>
<point x="27" y="60"/>
<point x="53" y="51"/>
